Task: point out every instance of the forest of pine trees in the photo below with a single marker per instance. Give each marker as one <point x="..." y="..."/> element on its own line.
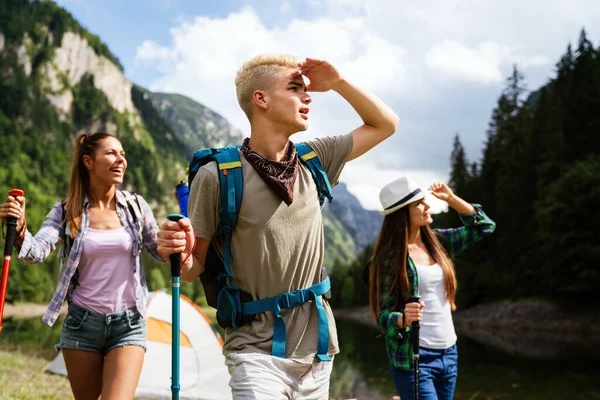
<point x="539" y="180"/>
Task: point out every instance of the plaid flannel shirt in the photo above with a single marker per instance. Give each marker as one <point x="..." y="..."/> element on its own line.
<point x="35" y="249"/>
<point x="476" y="226"/>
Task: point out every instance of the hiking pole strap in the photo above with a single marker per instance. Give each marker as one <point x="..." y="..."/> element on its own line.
<point x="289" y="300"/>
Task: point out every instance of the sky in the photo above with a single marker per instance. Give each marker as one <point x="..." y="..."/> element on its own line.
<point x="440" y="65"/>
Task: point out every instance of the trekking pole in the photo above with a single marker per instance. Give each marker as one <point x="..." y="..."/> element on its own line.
<point x="11" y="231"/>
<point x="414" y="335"/>
<point x="175" y="275"/>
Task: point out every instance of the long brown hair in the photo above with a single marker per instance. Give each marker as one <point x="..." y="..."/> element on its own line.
<point x="392" y="246"/>
<point x="84" y="144"/>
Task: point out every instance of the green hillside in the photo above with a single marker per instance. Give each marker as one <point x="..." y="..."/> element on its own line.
<point x="188" y="117"/>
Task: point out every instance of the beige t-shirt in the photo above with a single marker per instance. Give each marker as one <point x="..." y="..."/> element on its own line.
<point x="275" y="248"/>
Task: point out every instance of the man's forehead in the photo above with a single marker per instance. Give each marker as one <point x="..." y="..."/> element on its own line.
<point x="294" y="75"/>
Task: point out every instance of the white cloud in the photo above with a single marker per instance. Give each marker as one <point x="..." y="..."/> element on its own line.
<point x="365" y="181"/>
<point x="534" y="27"/>
<point x="533" y="61"/>
<point x="481" y="64"/>
<point x="353" y="6"/>
<point x="205" y="54"/>
<point x="285" y="6"/>
<point x="150" y="50"/>
<point x="439" y="64"/>
<point x="337" y="7"/>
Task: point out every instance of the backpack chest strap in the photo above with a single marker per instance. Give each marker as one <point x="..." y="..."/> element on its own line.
<point x="288" y="300"/>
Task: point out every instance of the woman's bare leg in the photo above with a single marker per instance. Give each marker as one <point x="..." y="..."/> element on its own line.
<point x="122" y="370"/>
<point x="85" y="373"/>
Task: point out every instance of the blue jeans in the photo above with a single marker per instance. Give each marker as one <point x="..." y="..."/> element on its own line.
<point x="438" y="370"/>
<point x="90" y="331"/>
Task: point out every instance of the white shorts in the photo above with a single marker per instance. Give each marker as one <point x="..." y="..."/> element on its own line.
<point x="265" y="377"/>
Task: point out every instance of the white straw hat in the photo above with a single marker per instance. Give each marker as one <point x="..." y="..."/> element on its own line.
<point x="399" y="193"/>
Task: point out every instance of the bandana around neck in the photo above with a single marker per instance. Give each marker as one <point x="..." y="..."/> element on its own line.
<point x="280" y="176"/>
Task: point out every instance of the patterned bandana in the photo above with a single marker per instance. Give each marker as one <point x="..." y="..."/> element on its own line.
<point x="280" y="176"/>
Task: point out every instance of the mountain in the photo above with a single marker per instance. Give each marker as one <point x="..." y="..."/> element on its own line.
<point x="362" y="225"/>
<point x="187" y="118"/>
<point x="56" y="80"/>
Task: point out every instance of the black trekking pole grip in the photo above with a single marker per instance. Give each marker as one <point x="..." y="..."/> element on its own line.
<point x="11" y="226"/>
<point x="415" y="327"/>
<point x="175" y="258"/>
<point x="11" y="232"/>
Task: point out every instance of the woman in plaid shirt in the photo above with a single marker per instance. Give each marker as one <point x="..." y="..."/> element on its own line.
<point x="411" y="259"/>
<point x="103" y="338"/>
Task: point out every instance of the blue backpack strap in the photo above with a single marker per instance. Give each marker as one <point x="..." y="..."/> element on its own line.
<point x="231" y="184"/>
<point x="289" y="300"/>
<point x="310" y="159"/>
<point x="196" y="163"/>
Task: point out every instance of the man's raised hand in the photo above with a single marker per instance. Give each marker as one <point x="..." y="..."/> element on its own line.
<point x="322" y="75"/>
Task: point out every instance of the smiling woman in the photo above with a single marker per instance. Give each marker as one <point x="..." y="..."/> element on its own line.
<point x="103" y="338"/>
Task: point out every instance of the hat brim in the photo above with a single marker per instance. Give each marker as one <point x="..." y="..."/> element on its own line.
<point x="419" y="196"/>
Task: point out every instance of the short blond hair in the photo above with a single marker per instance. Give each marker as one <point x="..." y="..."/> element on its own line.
<point x="257" y="74"/>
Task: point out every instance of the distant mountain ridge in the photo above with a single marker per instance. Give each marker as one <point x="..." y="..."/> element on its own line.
<point x="188" y="118"/>
<point x="362" y="225"/>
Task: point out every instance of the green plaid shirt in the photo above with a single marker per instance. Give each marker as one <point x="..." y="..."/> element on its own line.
<point x="476" y="226"/>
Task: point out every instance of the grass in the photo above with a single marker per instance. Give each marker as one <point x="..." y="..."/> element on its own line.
<point x="23" y="376"/>
<point x="211" y="313"/>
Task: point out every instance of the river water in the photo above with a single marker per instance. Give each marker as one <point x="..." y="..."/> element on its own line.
<point x="361" y="369"/>
<point x="485" y="372"/>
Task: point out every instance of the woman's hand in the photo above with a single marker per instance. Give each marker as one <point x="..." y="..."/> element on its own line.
<point x="14" y="207"/>
<point x="412" y="312"/>
<point x="441" y="191"/>
<point x="444" y="193"/>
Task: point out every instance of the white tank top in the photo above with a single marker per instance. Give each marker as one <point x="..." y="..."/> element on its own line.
<point x="437" y="329"/>
<point x="106" y="280"/>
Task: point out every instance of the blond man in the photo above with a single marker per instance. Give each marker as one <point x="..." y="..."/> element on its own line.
<point x="278" y="243"/>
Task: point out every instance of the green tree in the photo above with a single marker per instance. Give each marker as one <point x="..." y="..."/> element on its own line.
<point x="156" y="281"/>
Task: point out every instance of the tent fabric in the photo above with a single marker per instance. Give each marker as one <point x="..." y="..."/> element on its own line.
<point x="160" y="331"/>
<point x="203" y="374"/>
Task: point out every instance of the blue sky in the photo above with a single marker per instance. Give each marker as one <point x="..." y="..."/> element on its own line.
<point x="440" y="65"/>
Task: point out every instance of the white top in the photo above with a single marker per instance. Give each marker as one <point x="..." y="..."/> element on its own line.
<point x="437" y="329"/>
<point x="106" y="280"/>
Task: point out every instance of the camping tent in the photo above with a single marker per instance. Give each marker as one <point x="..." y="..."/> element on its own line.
<point x="203" y="371"/>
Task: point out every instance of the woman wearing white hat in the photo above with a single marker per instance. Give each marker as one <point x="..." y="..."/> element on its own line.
<point x="410" y="260"/>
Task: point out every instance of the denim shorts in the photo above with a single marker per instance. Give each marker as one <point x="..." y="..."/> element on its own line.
<point x="90" y="331"/>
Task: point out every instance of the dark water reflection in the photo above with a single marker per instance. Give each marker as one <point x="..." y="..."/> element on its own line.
<point x="31" y="335"/>
<point x="361" y="370"/>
